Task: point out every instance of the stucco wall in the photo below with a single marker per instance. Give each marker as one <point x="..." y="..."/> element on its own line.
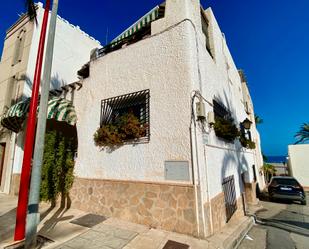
<point x="218" y="77"/>
<point x="298" y="163"/>
<point x="159" y="63"/>
<point x="71" y="51"/>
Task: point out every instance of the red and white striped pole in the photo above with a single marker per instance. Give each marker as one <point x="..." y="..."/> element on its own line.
<point x="22" y="205"/>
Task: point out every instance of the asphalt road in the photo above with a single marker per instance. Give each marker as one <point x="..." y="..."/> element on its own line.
<point x="279" y="226"/>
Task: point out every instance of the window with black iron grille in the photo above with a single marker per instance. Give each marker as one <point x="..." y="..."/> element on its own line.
<point x="224" y="126"/>
<point x="228" y="186"/>
<point x="220" y="110"/>
<point x="136" y="103"/>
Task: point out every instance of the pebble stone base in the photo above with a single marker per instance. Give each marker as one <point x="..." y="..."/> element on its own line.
<point x="164" y="206"/>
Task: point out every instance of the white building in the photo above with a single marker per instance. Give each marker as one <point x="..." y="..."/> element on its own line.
<point x="178" y="175"/>
<point x="71" y="50"/>
<point x="298" y="163"/>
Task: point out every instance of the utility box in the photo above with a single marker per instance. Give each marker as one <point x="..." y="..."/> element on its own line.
<point x="200" y="111"/>
<point x="177" y="170"/>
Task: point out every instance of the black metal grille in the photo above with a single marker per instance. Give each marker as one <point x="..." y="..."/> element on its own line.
<point x="220" y="110"/>
<point x="136" y="102"/>
<point x="228" y="186"/>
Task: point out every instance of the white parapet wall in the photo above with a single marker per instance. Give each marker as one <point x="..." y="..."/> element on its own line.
<point x="298" y="163"/>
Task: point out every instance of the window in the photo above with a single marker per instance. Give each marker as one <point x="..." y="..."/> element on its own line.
<point x="220" y="110"/>
<point x="224" y="126"/>
<point x="135" y="104"/>
<point x="19" y="45"/>
<point x="205" y="29"/>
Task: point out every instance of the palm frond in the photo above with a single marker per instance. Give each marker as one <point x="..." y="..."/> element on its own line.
<point x="303" y="134"/>
<point x="31" y="9"/>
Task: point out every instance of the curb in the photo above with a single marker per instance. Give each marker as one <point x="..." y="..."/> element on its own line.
<point x="232" y="240"/>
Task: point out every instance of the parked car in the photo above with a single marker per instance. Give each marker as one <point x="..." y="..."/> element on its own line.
<point x="286" y="188"/>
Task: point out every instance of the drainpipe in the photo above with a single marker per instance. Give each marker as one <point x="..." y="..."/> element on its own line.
<point x="196" y="178"/>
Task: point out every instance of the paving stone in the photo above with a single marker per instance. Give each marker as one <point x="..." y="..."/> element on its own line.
<point x="89" y="220"/>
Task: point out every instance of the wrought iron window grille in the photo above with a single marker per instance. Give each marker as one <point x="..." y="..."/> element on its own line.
<point x="228" y="186"/>
<point x="221" y="111"/>
<point x="136" y="102"/>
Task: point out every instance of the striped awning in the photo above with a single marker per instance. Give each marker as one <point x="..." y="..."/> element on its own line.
<point x="58" y="108"/>
<point x="15" y="116"/>
<point x="142" y="22"/>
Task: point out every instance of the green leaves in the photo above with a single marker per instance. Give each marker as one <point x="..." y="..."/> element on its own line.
<point x="58" y="165"/>
<point x="126" y="127"/>
<point x="31" y="9"/>
<point x="303" y="134"/>
<point x="226" y="129"/>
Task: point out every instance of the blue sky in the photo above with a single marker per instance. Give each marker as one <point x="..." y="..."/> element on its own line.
<point x="268" y="39"/>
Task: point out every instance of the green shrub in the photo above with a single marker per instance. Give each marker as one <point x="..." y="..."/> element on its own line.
<point x="226" y="129"/>
<point x="58" y="165"/>
<point x="126" y="127"/>
<point x="247" y="143"/>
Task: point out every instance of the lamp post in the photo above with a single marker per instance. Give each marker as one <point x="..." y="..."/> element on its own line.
<point x="33" y="217"/>
<point x="22" y="205"/>
<point x="247" y="124"/>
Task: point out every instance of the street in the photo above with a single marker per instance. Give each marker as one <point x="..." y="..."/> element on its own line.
<point x="280" y="225"/>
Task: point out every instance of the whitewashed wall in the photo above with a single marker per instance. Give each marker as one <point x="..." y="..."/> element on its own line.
<point x="71" y="51"/>
<point x="298" y="163"/>
<point x="159" y="63"/>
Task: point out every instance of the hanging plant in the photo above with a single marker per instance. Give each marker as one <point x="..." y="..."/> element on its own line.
<point x="247" y="143"/>
<point x="126" y="127"/>
<point x="226" y="129"/>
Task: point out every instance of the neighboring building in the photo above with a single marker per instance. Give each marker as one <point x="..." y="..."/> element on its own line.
<point x="180" y="176"/>
<point x="298" y="163"/>
<point x="17" y="66"/>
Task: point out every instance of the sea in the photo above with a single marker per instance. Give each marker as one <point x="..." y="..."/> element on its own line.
<point x="276" y="159"/>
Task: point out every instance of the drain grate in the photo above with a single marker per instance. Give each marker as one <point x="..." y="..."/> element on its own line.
<point x="171" y="244"/>
<point x="89" y="220"/>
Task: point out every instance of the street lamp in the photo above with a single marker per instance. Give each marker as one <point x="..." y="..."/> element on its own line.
<point x="246" y="124"/>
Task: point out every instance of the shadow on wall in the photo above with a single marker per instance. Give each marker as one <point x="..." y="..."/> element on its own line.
<point x="55" y="83"/>
<point x="233" y="158"/>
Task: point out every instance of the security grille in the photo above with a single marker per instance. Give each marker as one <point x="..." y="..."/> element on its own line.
<point x="228" y="186"/>
<point x="136" y="102"/>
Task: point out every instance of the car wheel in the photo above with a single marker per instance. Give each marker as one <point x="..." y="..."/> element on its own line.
<point x="304" y="202"/>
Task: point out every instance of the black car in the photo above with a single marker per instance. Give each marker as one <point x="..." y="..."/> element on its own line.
<point x="286" y="188"/>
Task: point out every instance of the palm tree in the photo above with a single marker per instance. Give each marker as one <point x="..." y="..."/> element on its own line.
<point x="31" y="10"/>
<point x="268" y="170"/>
<point x="303" y="134"/>
<point x="258" y="119"/>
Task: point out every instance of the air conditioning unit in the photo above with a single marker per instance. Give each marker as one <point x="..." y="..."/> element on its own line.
<point x="211" y="118"/>
<point x="200" y="111"/>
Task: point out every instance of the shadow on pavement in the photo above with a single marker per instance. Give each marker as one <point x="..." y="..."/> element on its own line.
<point x="54" y="219"/>
<point x="7" y="225"/>
<point x="291" y="218"/>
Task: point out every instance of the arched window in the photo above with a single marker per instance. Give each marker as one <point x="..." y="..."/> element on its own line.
<point x="19" y="47"/>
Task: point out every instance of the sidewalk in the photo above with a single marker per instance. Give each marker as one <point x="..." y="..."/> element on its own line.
<point x="76" y="229"/>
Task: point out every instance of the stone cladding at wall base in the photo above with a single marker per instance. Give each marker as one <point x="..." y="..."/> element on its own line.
<point x="218" y="213"/>
<point x="165" y="206"/>
<point x="250" y="192"/>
